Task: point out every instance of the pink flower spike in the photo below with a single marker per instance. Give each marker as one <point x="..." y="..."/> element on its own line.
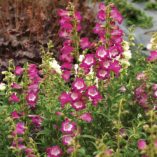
<point x="18" y="70"/>
<point x="78" y="105"/>
<point x="152" y="57"/>
<point x="64" y="99"/>
<point x="85" y="43"/>
<point x="141" y="144"/>
<point x="68" y="127"/>
<point x="14" y="98"/>
<point x="87" y="117"/>
<point x="79" y="84"/>
<point x="20" y="128"/>
<point x="101" y="52"/>
<point x="54" y="151"/>
<point x="67" y="139"/>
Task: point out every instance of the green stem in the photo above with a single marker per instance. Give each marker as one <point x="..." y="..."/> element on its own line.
<point x="119" y="127"/>
<point x="151" y="135"/>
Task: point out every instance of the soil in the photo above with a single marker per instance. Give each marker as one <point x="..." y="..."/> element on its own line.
<point x="25" y="27"/>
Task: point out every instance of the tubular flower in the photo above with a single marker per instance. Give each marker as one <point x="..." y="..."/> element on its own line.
<point x="54" y="151"/>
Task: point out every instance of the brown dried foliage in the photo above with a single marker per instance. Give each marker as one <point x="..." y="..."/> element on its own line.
<point x="25" y="25"/>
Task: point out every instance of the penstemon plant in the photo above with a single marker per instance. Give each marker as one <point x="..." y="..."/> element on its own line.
<point x="97" y="100"/>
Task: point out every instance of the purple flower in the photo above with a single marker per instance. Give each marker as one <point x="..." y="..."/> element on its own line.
<point x="105" y="64"/>
<point x="20" y="128"/>
<point x="54" y="151"/>
<point x="152" y="57"/>
<point x="141" y="76"/>
<point x="36" y="120"/>
<point x="85" y="44"/>
<point x="116" y="15"/>
<point x="64" y="33"/>
<point x="102" y="74"/>
<point x="66" y="75"/>
<point x="141" y="144"/>
<point x="108" y="153"/>
<point x="68" y="127"/>
<point x="154" y="87"/>
<point x="18" y="70"/>
<point x="70" y="150"/>
<point x="67" y="139"/>
<point x="15" y="115"/>
<point x="101" y="53"/>
<point x="33" y="73"/>
<point x="29" y="152"/>
<point x="92" y="92"/>
<point x="18" y="144"/>
<point x="31" y="99"/>
<point x="98" y="29"/>
<point x="101" y="15"/>
<point x="87" y="117"/>
<point x="102" y="6"/>
<point x="88" y="61"/>
<point x="33" y="88"/>
<point x="66" y="66"/>
<point x="64" y="99"/>
<point x="14" y="98"/>
<point x="155" y="94"/>
<point x="115" y="67"/>
<point x="79" y="84"/>
<point x="75" y="96"/>
<point x="78" y="16"/>
<point x="78" y="105"/>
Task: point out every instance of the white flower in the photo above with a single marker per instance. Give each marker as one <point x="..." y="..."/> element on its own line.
<point x="127" y="54"/>
<point x="54" y="65"/>
<point x="2" y="86"/>
<point x="126" y="45"/>
<point x="125" y="62"/>
<point x="149" y="46"/>
<point x="76" y="68"/>
<point x="81" y="57"/>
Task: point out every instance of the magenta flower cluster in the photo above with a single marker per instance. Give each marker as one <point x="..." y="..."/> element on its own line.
<point x="31" y="101"/>
<point x="69" y="21"/>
